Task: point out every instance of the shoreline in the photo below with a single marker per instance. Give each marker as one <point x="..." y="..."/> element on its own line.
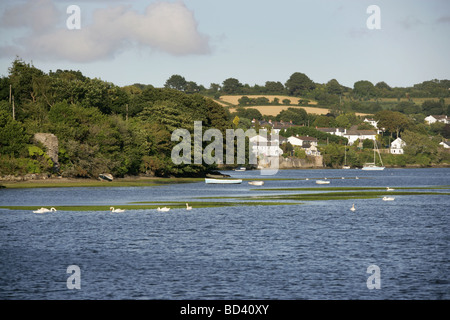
<point x="140" y="181"/>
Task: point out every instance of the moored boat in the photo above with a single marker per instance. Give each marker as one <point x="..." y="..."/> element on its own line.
<point x="222" y="181"/>
<point x="256" y="183"/>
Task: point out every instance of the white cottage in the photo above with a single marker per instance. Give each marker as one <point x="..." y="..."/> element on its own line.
<point x="441" y="118"/>
<point x="397" y="146"/>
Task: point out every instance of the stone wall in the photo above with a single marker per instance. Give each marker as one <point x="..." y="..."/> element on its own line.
<point x="295" y="163"/>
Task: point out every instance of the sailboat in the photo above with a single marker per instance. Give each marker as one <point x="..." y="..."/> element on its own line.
<point x="372" y="165"/>
<point x="345" y="166"/>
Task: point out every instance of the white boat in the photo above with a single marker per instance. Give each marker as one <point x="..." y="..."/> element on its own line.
<point x="222" y="181"/>
<point x="43" y="210"/>
<point x="322" y="182"/>
<point x="164" y="209"/>
<point x="256" y="183"/>
<point x="371" y="165"/>
<point x="388" y="198"/>
<point x="240" y="169"/>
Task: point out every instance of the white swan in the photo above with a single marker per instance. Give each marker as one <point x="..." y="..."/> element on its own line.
<point x="388" y="198"/>
<point x="188" y="207"/>
<point x="116" y="210"/>
<point x="389" y="189"/>
<point x="353" y="208"/>
<point x="42" y="210"/>
<point x="165" y="209"/>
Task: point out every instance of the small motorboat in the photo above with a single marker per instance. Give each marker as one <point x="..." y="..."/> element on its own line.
<point x="256" y="183"/>
<point x="240" y="169"/>
<point x="388" y="198"/>
<point x="106" y="176"/>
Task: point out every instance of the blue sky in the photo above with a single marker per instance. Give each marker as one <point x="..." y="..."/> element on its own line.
<point x="208" y="41"/>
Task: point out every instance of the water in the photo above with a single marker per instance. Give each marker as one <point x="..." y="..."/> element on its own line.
<point x="318" y="250"/>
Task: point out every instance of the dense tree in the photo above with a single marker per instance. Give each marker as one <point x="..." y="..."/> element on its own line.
<point x="176" y="82"/>
<point x="364" y="89"/>
<point x="231" y="86"/>
<point x="299" y="84"/>
<point x="392" y="121"/>
<point x="333" y="87"/>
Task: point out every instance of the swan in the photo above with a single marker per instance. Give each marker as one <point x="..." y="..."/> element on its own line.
<point x="116" y="210"/>
<point x="42" y="210"/>
<point x="165" y="209"/>
<point x="389" y="189"/>
<point x="188" y="207"/>
<point x="353" y="208"/>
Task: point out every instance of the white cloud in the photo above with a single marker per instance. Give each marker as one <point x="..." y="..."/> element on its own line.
<point x="164" y="26"/>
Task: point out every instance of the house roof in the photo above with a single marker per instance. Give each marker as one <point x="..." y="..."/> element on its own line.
<point x="331" y="129"/>
<point x="438" y="117"/>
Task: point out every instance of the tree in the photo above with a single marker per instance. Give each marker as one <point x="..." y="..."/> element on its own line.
<point x="333" y="87"/>
<point x="12" y="135"/>
<point x="231" y="86"/>
<point x="392" y="121"/>
<point x="274" y="87"/>
<point x="176" y="82"/>
<point x="299" y="84"/>
<point x="364" y="89"/>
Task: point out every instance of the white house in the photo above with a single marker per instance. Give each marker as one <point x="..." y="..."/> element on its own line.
<point x="445" y="144"/>
<point x="353" y="135"/>
<point x="440" y="118"/>
<point x="372" y="122"/>
<point x="334" y="131"/>
<point x="263" y="146"/>
<point x="397" y="146"/>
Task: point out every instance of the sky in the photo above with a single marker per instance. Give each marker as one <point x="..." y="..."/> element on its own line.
<point x="208" y="41"/>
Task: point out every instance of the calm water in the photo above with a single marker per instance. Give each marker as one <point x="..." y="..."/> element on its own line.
<point x="318" y="250"/>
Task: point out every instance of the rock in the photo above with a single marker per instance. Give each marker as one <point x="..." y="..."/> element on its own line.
<point x="50" y="141"/>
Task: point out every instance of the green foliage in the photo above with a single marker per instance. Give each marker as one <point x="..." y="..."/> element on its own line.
<point x="299" y="84"/>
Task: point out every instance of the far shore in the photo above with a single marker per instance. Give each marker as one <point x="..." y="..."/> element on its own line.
<point x="145" y="181"/>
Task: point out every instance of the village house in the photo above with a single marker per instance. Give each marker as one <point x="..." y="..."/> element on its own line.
<point x="372" y="122"/>
<point x="352" y="134"/>
<point x="277" y="126"/>
<point x="309" y="144"/>
<point x="445" y="144"/>
<point x="265" y="146"/>
<point x="440" y="118"/>
<point x="334" y="131"/>
<point x="397" y="146"/>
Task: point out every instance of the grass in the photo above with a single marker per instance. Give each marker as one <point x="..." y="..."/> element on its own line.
<point x="70" y="183"/>
<point x="332" y="195"/>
